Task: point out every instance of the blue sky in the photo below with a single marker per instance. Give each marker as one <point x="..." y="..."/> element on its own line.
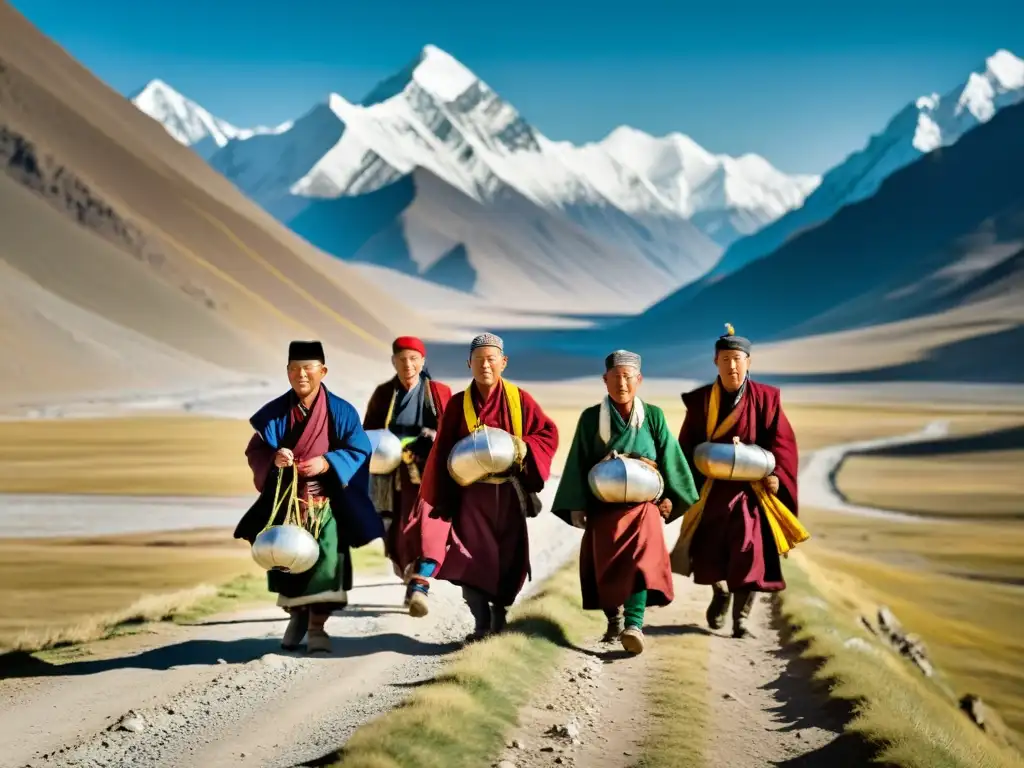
<point x="801" y="83"/>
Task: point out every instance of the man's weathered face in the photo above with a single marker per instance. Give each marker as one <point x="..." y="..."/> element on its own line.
<point x="305" y="376"/>
<point x="408" y="364"/>
<point x="622" y="382"/>
<point x="487" y="365"/>
<point x="733" y="365"/>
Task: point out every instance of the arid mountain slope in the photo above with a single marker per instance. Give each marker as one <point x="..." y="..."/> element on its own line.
<point x="159" y="244"/>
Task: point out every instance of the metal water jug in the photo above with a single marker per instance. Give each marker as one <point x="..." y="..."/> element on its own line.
<point x="289" y="548"/>
<point x="386" y="452"/>
<point x="485" y="451"/>
<point x="625" y="480"/>
<point x="733" y="461"/>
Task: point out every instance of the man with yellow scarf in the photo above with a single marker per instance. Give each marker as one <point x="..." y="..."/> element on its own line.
<point x="487" y="551"/>
<point x="733" y="537"/>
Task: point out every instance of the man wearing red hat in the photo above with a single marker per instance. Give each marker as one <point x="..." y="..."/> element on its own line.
<point x="409" y="405"/>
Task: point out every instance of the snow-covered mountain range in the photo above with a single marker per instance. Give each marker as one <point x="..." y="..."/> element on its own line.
<point x="188" y="122"/>
<point x="930" y="122"/>
<point x="434" y="174"/>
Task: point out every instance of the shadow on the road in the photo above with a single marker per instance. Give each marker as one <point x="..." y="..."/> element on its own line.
<point x="676" y="630"/>
<point x="803" y="702"/>
<point x="214" y="652"/>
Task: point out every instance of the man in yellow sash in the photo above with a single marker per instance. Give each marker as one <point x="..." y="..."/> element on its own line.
<point x="733" y="536"/>
<point x="487" y="551"/>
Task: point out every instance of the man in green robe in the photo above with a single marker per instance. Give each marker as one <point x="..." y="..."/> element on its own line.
<point x="624" y="562"/>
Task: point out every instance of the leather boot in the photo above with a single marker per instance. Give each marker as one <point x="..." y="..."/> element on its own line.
<point x="499" y="617"/>
<point x="616" y="623"/>
<point x="480" y="607"/>
<point x="317" y="639"/>
<point x="296" y="629"/>
<point x="741" y="613"/>
<point x="718" y="609"/>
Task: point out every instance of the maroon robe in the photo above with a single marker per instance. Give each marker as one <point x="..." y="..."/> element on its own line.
<point x="733" y="541"/>
<point x="402" y="543"/>
<point x="487" y="545"/>
<point x="623" y="550"/>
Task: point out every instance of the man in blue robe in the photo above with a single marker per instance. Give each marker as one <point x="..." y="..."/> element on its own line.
<point x="313" y="438"/>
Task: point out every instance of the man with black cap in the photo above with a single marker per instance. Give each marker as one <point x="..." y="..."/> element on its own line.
<point x="624" y="562"/>
<point x="488" y="550"/>
<point x="313" y="438"/>
<point x="409" y="405"/>
<point x="734" y="534"/>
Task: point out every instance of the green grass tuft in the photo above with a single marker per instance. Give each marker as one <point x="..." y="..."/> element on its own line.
<point x="462" y="718"/>
<point x="913" y="720"/>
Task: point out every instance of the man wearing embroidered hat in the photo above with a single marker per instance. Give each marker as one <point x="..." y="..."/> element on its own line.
<point x="624" y="562"/>
<point x="409" y="405"/>
<point x="733" y="536"/>
<point x="488" y="550"/>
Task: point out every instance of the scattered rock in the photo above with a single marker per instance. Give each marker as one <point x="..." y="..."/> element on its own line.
<point x="974" y="708"/>
<point x="909" y="646"/>
<point x="506" y="764"/>
<point x="131" y="722"/>
<point x="859" y="644"/>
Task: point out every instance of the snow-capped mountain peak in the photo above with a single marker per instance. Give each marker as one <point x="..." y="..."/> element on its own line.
<point x="731" y="196"/>
<point x="1005" y="69"/>
<point x="188" y="122"/>
<point x="442" y="74"/>
<point x="941" y="120"/>
<point x="931" y="121"/>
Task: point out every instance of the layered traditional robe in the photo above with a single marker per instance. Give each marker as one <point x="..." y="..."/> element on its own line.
<point x="406" y="414"/>
<point x="623" y="551"/>
<point x="487" y="547"/>
<point x="727" y="535"/>
<point x="330" y="429"/>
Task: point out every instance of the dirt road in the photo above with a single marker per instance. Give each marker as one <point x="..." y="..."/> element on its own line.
<point x="223" y="693"/>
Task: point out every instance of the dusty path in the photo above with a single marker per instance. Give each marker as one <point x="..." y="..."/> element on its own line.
<point x="761" y="705"/>
<point x="818" y="476"/>
<point x="763" y="709"/>
<point x="223" y="693"/>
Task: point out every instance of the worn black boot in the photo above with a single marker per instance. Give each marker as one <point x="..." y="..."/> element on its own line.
<point x="741" y="613"/>
<point x="718" y="609"/>
<point x="499" y="618"/>
<point x="616" y="623"/>
<point x="481" y="610"/>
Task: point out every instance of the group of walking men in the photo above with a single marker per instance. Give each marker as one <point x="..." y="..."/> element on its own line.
<point x="476" y="536"/>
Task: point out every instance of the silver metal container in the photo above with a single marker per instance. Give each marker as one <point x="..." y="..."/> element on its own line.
<point x="625" y="480"/>
<point x="486" y="451"/>
<point x="387" y="451"/>
<point x="733" y="461"/>
<point x="288" y="548"/>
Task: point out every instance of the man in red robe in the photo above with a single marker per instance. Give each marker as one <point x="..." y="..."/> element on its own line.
<point x="409" y="405"/>
<point x="487" y="552"/>
<point x="733" y="547"/>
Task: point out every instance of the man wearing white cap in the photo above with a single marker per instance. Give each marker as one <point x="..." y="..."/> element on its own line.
<point x="488" y="551"/>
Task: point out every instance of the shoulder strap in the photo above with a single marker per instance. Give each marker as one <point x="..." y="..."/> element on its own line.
<point x="391" y="407"/>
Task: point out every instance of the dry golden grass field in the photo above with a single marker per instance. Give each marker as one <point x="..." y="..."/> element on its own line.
<point x="955" y="576"/>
